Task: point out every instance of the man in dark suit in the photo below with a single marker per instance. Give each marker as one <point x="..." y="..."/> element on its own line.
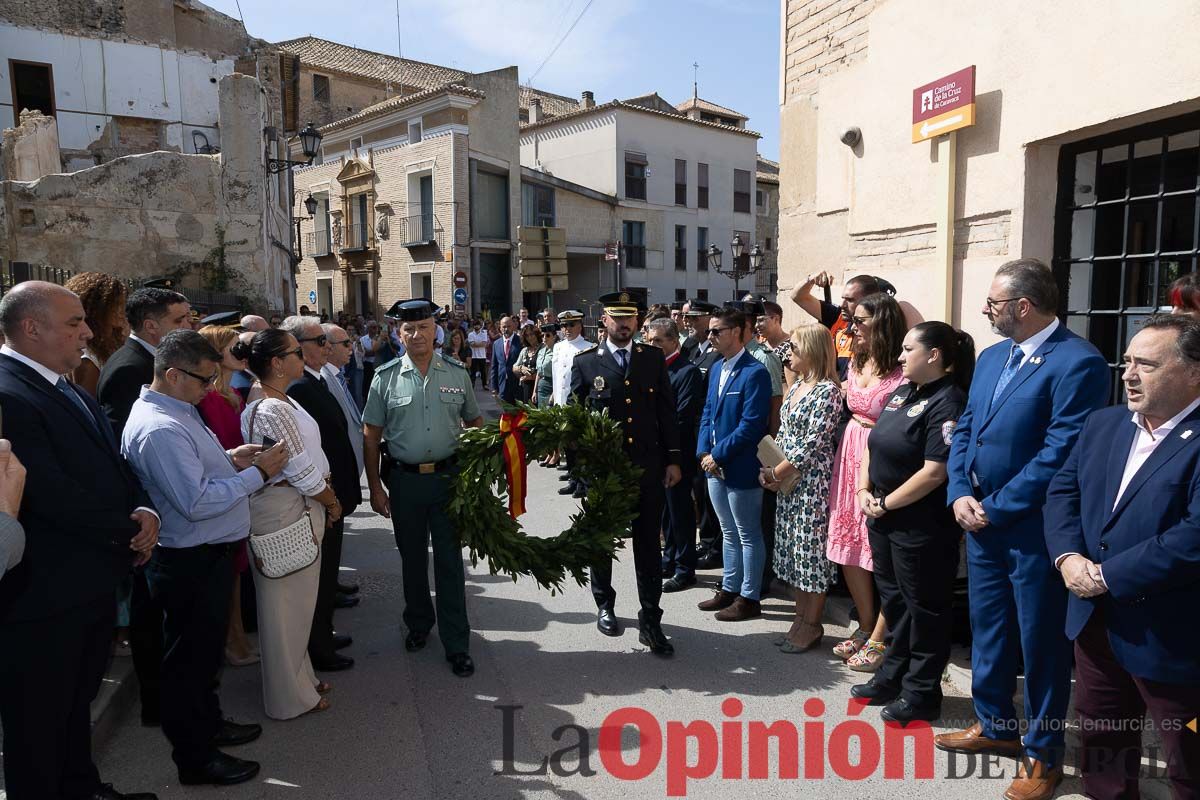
<point x="87" y="519"/>
<point x="630" y="381"/>
<point x="696" y="315"/>
<point x="504" y="357"/>
<point x="1123" y="529"/>
<point x="314" y="396"/>
<point x="153" y="312"/>
<point x="1029" y="398"/>
<point x="679" y="519"/>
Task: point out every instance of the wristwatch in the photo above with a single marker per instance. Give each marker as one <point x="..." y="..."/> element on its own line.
<point x="883" y="502"/>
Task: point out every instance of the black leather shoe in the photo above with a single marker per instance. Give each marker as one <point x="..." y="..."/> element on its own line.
<point x="903" y="712"/>
<point x="709" y="561"/>
<point x="607" y="622"/>
<point x="231" y="733"/>
<point x="566" y="476"/>
<point x="345" y="601"/>
<point x="678" y="583"/>
<point x="341" y="641"/>
<point x="569" y="488"/>
<point x="415" y="641"/>
<point x="877" y="694"/>
<point x="461" y="665"/>
<point x="580" y="491"/>
<point x="348" y="588"/>
<point x="562" y="466"/>
<point x="107" y="792"/>
<point x="651" y="635"/>
<point x="333" y="663"/>
<point x="221" y="770"/>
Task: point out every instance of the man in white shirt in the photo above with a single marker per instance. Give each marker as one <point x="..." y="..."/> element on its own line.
<point x="1123" y="528"/>
<point x="478" y="340"/>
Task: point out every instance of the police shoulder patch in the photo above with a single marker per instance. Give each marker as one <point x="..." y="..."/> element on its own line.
<point x="454" y="362"/>
<point x="389" y="364"/>
<point x="948" y="431"/>
<point x="594" y="348"/>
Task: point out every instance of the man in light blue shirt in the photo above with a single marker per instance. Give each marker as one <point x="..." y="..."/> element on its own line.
<point x="202" y="492"/>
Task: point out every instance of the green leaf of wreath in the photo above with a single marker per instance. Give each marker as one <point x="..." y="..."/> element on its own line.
<point x="479" y="509"/>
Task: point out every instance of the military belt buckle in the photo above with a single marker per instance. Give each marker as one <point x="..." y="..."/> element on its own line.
<point x="427" y="468"/>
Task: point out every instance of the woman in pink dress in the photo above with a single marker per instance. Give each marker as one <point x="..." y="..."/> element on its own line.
<point x="221" y="410"/>
<point x="872" y="377"/>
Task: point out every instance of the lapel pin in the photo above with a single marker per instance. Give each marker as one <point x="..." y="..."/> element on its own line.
<point x="1036" y="360"/>
<point x="1186" y="434"/>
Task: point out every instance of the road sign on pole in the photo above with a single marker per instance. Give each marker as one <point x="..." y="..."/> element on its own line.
<point x="460" y="296"/>
<point x="944" y="105"/>
<point x="460" y="279"/>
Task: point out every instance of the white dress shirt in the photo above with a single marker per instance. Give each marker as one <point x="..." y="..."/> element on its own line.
<point x="1030" y="345"/>
<point x="1146" y="442"/>
<point x="149" y="347"/>
<point x="612" y="348"/>
<point x="727" y="370"/>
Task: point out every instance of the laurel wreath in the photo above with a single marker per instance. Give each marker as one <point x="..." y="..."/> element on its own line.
<point x="598" y="457"/>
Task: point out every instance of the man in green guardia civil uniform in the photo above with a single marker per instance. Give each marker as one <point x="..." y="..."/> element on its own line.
<point x="417" y="407"/>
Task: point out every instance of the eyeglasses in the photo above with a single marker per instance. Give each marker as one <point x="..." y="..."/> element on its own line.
<point x="209" y="379"/>
<point x="991" y="304"/>
<point x="718" y="331"/>
<point x="320" y="340"/>
<point x="343" y="343"/>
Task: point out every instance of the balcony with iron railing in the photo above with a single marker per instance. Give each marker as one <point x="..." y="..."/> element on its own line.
<point x="635" y="256"/>
<point x="423" y="229"/>
<point x="317" y="243"/>
<point x="681" y="258"/>
<point x="356" y="236"/>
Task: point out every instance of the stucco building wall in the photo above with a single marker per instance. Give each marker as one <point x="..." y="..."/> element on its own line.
<point x="1042" y="82"/>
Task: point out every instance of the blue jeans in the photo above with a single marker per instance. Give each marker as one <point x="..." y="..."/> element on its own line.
<point x="740" y="514"/>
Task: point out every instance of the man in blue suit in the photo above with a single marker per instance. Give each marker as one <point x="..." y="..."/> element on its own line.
<point x="735" y="418"/>
<point x="1031" y="395"/>
<point x="504" y="357"/>
<point x="1123" y="528"/>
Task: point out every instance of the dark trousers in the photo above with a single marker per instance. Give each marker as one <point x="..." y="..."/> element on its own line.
<point x="320" y="638"/>
<point x="768" y="531"/>
<point x="647" y="557"/>
<point x="418" y="505"/>
<point x="50" y="672"/>
<point x="914" y="572"/>
<point x="1112" y="704"/>
<point x="710" y="526"/>
<point x="194" y="585"/>
<point x="679" y="523"/>
<point x="368" y="376"/>
<point x="146" y="644"/>
<point x="479" y="369"/>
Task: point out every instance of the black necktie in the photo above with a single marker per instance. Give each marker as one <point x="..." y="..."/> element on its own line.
<point x="622" y="360"/>
<point x="63" y="386"/>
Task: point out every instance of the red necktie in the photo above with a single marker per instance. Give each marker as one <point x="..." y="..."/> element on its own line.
<point x="507" y="344"/>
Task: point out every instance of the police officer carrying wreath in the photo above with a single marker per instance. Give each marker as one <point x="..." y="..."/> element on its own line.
<point x="418" y="405"/>
<point x="630" y="381"/>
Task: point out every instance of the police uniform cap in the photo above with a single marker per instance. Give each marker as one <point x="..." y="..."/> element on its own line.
<point x="625" y="303"/>
<point x="751" y="308"/>
<point x="226" y="318"/>
<point x="570" y="315"/>
<point x="165" y="282"/>
<point x="701" y="308"/>
<point x="549" y="327"/>
<point x="410" y="310"/>
<point x="678" y="306"/>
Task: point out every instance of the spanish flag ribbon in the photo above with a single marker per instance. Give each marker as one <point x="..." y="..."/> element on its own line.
<point x="513" y="446"/>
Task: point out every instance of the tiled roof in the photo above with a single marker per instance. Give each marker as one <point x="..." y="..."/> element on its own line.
<point x="553" y="105"/>
<point x="768" y="171"/>
<point x="393" y="103"/>
<point x="612" y="104"/>
<point x="335" y="57"/>
<point x="322" y="54"/>
<point x="712" y="108"/>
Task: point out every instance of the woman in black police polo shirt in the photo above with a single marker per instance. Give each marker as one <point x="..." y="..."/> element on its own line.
<point x="914" y="538"/>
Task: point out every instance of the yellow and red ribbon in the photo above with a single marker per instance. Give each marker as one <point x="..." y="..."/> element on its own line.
<point x="513" y="446"/>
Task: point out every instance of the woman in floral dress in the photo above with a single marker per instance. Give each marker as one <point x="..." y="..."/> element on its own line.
<point x="807" y="437"/>
<point x="872" y="378"/>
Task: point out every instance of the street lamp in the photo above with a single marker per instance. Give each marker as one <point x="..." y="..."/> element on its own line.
<point x="735" y="270"/>
<point x="310" y="144"/>
<point x="310" y="205"/>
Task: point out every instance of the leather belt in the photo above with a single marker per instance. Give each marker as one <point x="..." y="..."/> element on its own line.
<point x="429" y="467"/>
<point x="863" y="421"/>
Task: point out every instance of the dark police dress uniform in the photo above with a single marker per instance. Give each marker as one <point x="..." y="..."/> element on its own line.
<point x="915" y="548"/>
<point x="640" y="399"/>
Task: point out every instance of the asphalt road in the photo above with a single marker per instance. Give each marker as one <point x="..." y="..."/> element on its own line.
<point x="403" y="726"/>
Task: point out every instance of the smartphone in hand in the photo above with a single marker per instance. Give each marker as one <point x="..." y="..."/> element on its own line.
<point x="268" y="443"/>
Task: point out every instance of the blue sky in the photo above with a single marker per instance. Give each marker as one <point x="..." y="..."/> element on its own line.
<point x="619" y="48"/>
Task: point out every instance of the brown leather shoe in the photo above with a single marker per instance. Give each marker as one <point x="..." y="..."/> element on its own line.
<point x="972" y="740"/>
<point x="742" y="609"/>
<point x="722" y="599"/>
<point x="1034" y="781"/>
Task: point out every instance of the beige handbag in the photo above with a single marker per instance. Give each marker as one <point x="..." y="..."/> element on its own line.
<point x="769" y="455"/>
<point x="287" y="550"/>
